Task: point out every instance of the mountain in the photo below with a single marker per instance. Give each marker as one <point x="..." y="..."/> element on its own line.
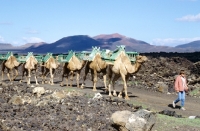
<point x="112" y="40"/>
<point x="195" y="46"/>
<point x="32" y="45"/>
<point x="76" y="43"/>
<point x="83" y="42"/>
<point x="6" y="46"/>
<point x="104" y="41"/>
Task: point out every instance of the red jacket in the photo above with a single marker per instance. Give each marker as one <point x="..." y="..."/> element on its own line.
<point x="179" y="84"/>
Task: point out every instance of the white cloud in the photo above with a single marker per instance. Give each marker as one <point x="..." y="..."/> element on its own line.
<point x="190" y="18"/>
<point x="32" y="40"/>
<point x="22" y="41"/>
<point x="173" y="41"/>
<point x="1" y="39"/>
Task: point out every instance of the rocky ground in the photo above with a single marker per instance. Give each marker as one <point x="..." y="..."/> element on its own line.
<point x="158" y="74"/>
<point x="61" y="108"/>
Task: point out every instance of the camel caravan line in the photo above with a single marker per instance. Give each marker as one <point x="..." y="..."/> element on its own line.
<point x="112" y="64"/>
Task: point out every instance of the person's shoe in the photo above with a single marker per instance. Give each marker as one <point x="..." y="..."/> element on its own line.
<point x="182" y="108"/>
<point x="173" y="104"/>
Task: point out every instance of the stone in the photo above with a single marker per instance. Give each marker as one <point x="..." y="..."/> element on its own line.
<point x="3" y="84"/>
<point x="97" y="96"/>
<point x="58" y="95"/>
<point x="42" y="103"/>
<point x="39" y="91"/>
<point x="16" y="100"/>
<point x="142" y="120"/>
<point x="170" y="113"/>
<point x="162" y="87"/>
<point x="27" y="99"/>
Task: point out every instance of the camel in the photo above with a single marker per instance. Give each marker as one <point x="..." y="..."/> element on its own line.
<point x="48" y="66"/>
<point x="122" y="67"/>
<point x="71" y="66"/>
<point x="95" y="66"/>
<point x="10" y="64"/>
<point x="29" y="66"/>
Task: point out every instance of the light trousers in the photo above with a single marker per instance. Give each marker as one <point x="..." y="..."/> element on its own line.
<point x="181" y="97"/>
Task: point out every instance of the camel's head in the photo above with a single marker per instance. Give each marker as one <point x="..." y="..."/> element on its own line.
<point x="141" y="59"/>
<point x="52" y="63"/>
<point x="12" y="62"/>
<point x="31" y="62"/>
<point x="97" y="56"/>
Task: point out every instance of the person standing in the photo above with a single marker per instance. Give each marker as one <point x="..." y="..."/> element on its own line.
<point x="180" y="86"/>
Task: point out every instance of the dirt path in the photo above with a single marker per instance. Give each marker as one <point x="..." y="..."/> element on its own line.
<point x="159" y="102"/>
<point x="155" y="101"/>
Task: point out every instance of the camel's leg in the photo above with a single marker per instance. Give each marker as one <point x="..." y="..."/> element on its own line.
<point x="87" y="68"/>
<point x="71" y="78"/>
<point x="26" y="76"/>
<point x="64" y="72"/>
<point x="8" y="75"/>
<point x="36" y="82"/>
<point x="43" y="72"/>
<point x="61" y="84"/>
<point x="77" y="78"/>
<point x="52" y="75"/>
<point x="23" y="71"/>
<point x="67" y="80"/>
<point x="29" y="77"/>
<point x="104" y="78"/>
<point x="115" y="78"/>
<point x="67" y="75"/>
<point x="109" y="74"/>
<point x="94" y="80"/>
<point x="2" y="69"/>
<point x="44" y="76"/>
<point x="124" y="81"/>
<point x="126" y="88"/>
<point x="12" y="75"/>
<point x="124" y="78"/>
<point x="16" y="73"/>
<point x="2" y="72"/>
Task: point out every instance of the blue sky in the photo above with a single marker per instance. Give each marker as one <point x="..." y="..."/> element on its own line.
<point x="158" y="22"/>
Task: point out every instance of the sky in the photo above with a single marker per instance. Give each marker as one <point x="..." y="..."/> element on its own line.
<point x="157" y="22"/>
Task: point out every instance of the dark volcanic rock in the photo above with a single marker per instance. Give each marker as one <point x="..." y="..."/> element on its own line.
<point x="72" y="112"/>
